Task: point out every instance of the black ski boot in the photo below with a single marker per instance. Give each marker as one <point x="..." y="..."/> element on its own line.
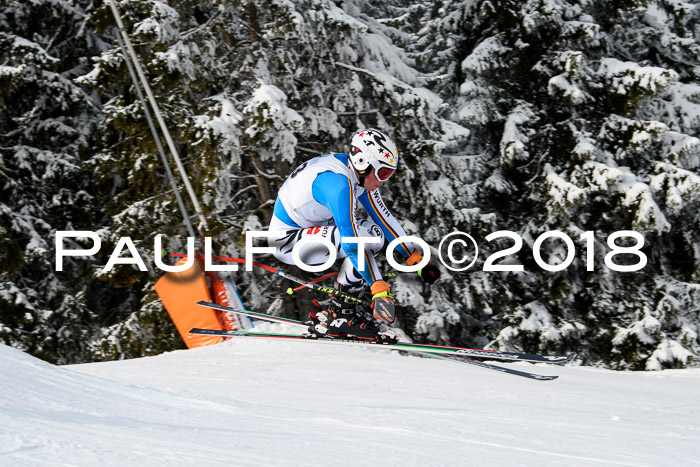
<point x="344" y="316"/>
<point x="319" y="318"/>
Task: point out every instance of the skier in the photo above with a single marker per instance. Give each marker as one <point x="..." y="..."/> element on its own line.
<point x="319" y="200"/>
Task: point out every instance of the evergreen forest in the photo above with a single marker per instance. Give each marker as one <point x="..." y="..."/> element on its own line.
<point x="573" y="116"/>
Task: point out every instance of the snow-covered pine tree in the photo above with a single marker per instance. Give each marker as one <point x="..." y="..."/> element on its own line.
<point x="136" y="196"/>
<point x="47" y="132"/>
<point x="585" y="113"/>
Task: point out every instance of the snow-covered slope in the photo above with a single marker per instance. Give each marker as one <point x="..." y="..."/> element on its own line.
<point x="250" y="402"/>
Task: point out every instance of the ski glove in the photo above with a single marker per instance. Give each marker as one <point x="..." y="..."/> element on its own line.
<point x="430" y="273"/>
<point x="382" y="302"/>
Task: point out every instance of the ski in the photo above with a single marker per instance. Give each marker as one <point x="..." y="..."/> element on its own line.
<point x="253" y="314"/>
<point x="406" y="346"/>
<point x="360" y="343"/>
<point x="488" y="366"/>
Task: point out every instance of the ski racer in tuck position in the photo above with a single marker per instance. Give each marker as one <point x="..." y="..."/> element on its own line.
<point x="319" y="200"/>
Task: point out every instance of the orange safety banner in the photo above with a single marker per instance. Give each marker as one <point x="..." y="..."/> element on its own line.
<point x="180" y="292"/>
<point x="218" y="289"/>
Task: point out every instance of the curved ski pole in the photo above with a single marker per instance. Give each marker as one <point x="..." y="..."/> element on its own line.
<point x="333" y="274"/>
<point x="318" y="279"/>
<point x="308" y="285"/>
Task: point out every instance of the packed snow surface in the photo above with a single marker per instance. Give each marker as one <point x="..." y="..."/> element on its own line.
<point x="258" y="402"/>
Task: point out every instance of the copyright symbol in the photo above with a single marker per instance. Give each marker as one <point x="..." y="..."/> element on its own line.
<point x="458" y="251"/>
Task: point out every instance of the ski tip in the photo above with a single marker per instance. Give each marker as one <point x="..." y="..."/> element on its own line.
<point x="560" y="359"/>
<point x="570" y="356"/>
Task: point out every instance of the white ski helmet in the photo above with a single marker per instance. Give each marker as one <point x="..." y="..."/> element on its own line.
<point x="372" y="148"/>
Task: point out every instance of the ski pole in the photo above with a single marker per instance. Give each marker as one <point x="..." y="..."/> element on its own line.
<point x="309" y="285"/>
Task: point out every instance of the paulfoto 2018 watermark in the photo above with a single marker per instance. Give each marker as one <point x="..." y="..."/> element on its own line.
<point x="457" y="251"/>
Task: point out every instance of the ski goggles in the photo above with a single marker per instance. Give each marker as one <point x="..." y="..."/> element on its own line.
<point x="383" y="173"/>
